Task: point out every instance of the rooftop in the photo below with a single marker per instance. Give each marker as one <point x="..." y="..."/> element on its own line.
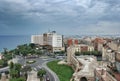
<point x="89" y="64"/>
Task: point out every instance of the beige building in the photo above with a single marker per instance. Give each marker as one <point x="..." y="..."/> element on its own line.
<point x="101" y="74"/>
<point x="86" y="68"/>
<point x="82" y="65"/>
<point x="83" y="47"/>
<point x="109" y="56"/>
<point x="118" y="61"/>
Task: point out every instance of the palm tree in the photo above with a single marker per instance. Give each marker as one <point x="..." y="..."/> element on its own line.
<point x="5" y="50"/>
<point x="25" y="70"/>
<point x="14" y="73"/>
<point x="41" y="73"/>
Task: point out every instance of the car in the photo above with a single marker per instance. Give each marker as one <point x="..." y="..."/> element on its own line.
<point x="47" y="78"/>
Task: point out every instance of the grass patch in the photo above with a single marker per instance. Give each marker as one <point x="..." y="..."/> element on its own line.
<point x="31" y="61"/>
<point x="17" y="79"/>
<point x="64" y="72"/>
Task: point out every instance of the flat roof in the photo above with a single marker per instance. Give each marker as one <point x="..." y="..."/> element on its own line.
<point x="89" y="64"/>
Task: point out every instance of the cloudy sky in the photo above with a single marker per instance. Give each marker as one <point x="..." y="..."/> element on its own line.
<point x="68" y="17"/>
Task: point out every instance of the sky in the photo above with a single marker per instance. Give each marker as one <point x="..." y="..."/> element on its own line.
<point x="67" y="17"/>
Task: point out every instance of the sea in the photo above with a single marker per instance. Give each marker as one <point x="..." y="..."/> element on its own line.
<point x="12" y="41"/>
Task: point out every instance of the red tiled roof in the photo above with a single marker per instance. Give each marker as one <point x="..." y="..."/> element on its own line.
<point x="99" y="40"/>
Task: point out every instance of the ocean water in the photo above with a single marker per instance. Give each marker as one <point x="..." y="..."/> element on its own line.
<point x="11" y="42"/>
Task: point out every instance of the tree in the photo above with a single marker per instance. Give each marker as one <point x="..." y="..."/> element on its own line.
<point x="14" y="73"/>
<point x="21" y="79"/>
<point x="5" y="50"/>
<point x="17" y="67"/>
<point x="11" y="65"/>
<point x="1" y="63"/>
<point x="39" y="52"/>
<point x="41" y="73"/>
<point x="26" y="69"/>
<point x="32" y="45"/>
<point x="17" y="79"/>
<point x="77" y="53"/>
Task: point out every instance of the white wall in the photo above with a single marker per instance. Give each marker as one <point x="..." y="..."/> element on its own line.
<point x="37" y="39"/>
<point x="55" y="40"/>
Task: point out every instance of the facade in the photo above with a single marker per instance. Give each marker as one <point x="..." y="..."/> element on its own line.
<point x="98" y="44"/>
<point x="54" y="40"/>
<point x="51" y="39"/>
<point x="101" y="74"/>
<point x="118" y="61"/>
<point x="87" y="67"/>
<point x="113" y="45"/>
<point x="83" y="65"/>
<point x="37" y="39"/>
<point x="109" y="56"/>
<point x="72" y="42"/>
<point x="83" y="48"/>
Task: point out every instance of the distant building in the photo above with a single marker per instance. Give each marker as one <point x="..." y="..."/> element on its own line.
<point x="83" y="48"/>
<point x="98" y="43"/>
<point x="53" y="40"/>
<point x="72" y="42"/>
<point x="83" y="65"/>
<point x="37" y="39"/>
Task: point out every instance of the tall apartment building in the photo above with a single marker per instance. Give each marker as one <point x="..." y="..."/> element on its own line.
<point x="52" y="39"/>
<point x="37" y="39"/>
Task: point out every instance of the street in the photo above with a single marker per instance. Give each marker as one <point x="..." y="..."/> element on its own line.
<point x="40" y="63"/>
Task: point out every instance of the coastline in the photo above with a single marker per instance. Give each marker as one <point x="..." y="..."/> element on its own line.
<point x="11" y="41"/>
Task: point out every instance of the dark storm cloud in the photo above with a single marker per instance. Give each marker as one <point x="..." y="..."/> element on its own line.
<point x="40" y="15"/>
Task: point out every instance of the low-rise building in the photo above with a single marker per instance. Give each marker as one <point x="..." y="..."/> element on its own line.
<point x="98" y="43"/>
<point x="83" y="48"/>
<point x="101" y="74"/>
<point x="118" y="61"/>
<point x="72" y="42"/>
<point x="82" y="65"/>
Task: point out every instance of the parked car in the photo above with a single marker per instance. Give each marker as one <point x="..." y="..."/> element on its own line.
<point x="47" y="78"/>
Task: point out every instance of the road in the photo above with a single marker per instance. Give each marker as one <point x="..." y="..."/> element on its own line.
<point x="51" y="73"/>
<point x="4" y="69"/>
<point x="41" y="63"/>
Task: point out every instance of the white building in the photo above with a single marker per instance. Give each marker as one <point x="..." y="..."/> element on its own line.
<point x="37" y="39"/>
<point x="1" y="56"/>
<point x="52" y="39"/>
<point x="55" y="41"/>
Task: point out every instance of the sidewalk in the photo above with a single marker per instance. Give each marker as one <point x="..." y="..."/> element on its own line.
<point x="4" y="78"/>
<point x="32" y="76"/>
